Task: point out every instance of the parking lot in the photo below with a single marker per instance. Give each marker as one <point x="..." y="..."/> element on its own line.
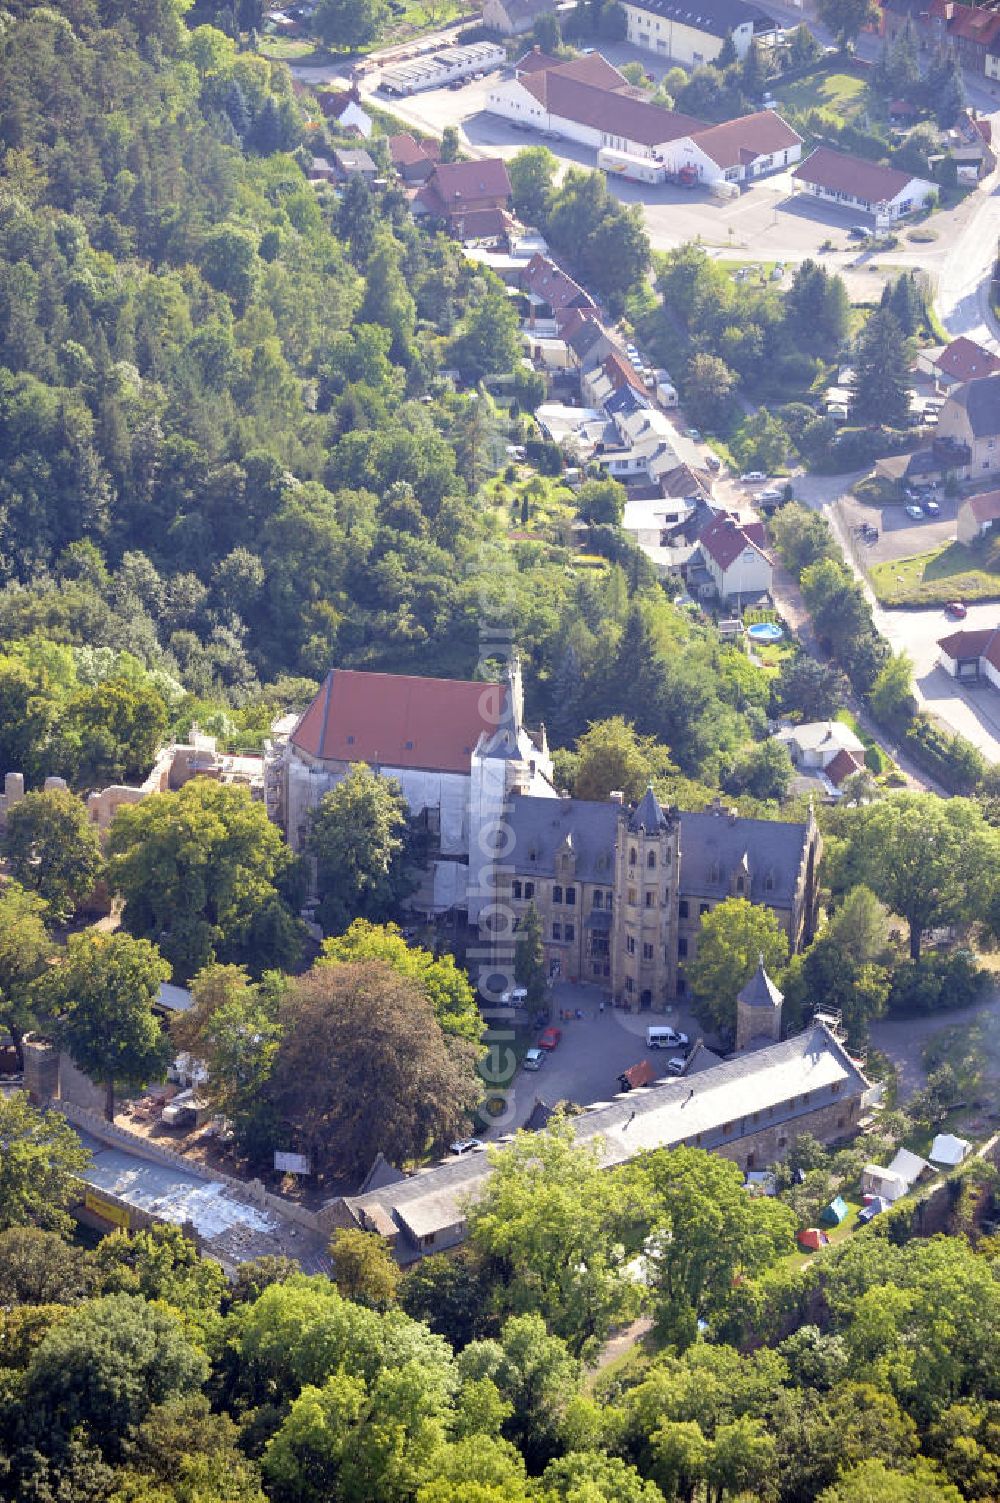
<point x="900" y="536"/>
<point x="592" y="1053"/>
<point x="768" y="217"/>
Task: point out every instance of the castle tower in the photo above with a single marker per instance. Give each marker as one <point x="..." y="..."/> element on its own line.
<point x="758" y="1011"/>
<point x="507" y="760"/>
<point x="644" y="933"/>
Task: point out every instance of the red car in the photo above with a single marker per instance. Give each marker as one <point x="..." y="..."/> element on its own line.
<point x="956" y="610"/>
<point x="549" y="1038"/>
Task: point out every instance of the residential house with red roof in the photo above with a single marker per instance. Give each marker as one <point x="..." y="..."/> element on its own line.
<point x="457" y="749"/>
<point x="963" y="360"/>
<point x="885" y="193"/>
<point x="413" y="160"/>
<point x="735" y="560"/>
<point x="343" y="108"/>
<point x="978" y="516"/>
<point x="972" y="656"/>
<point x="457" y="190"/>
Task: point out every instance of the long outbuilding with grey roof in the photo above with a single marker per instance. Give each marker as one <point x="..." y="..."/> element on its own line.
<point x="747" y="1109"/>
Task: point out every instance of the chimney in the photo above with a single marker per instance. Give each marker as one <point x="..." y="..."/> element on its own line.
<point x="617" y="796"/>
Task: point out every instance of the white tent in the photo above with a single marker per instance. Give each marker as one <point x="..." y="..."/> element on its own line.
<point x="949" y="1150"/>
<point x="908" y="1166"/>
<point x="878" y="1181"/>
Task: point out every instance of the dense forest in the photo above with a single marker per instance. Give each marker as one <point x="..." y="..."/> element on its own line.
<point x="134" y="1372"/>
<point x="228" y="455"/>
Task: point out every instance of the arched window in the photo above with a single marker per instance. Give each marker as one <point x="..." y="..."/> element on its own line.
<point x="632" y="856"/>
<point x="651" y="859"/>
<point x="515" y="889"/>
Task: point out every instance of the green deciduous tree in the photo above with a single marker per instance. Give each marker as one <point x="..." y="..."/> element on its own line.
<point x="445" y="986"/>
<point x="802" y="537"/>
<point x="232" y="1028"/>
<point x="357" y="836"/>
<point x="53" y="848"/>
<point x="553" y="1219"/>
<point x="204" y="873"/>
<point x="611" y="756"/>
<point x="105" y="1366"/>
<point x="349" y="24"/>
<point x="732" y="938"/>
<point x="847" y="18"/>
<point x="931" y="860"/>
<point x="891" y="696"/>
<point x="532" y="180"/>
<point x="363" y="1268"/>
<point x="40" y="1158"/>
<point x="704" y="1232"/>
<point x="25" y="948"/>
<point x="101" y="995"/>
<point x="489" y="343"/>
<point x="360" y="1032"/>
<point x="709" y="387"/>
<point x="601" y="501"/>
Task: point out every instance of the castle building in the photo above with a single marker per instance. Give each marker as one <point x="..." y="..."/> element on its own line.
<point x="457" y="748"/>
<point x="621" y="892"/>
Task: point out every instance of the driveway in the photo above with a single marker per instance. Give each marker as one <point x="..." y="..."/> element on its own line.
<point x="593" y="1051"/>
<point x="903" y="1039"/>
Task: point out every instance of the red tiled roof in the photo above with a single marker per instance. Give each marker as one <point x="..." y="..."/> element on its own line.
<point x="482" y="224"/>
<point x="751" y="136"/>
<point x="843" y="765"/>
<point x="621" y="373"/>
<point x="971" y="23"/>
<point x="404" y="151"/>
<point x="335" y="101"/>
<point x="397" y="720"/>
<point x="608" y="111"/>
<point x="973" y="644"/>
<point x="963" y="360"/>
<point x="838" y="172"/>
<point x="535" y="61"/>
<point x="555" y="286"/>
<point x="594" y="69"/>
<point x="985" y="507"/>
<point x="724" y="539"/>
<point x="472" y="183"/>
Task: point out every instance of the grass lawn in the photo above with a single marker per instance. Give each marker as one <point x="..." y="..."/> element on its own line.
<point x="952" y="572"/>
<point x="838" y="93"/>
<point x="293" y="50"/>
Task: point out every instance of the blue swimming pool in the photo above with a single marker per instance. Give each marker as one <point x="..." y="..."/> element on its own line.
<point x="765" y="631"/>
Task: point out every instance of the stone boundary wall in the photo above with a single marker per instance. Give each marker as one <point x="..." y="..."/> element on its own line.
<point x="252" y="1191"/>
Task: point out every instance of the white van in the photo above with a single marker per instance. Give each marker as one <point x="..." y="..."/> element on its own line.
<point x="665" y="1038"/>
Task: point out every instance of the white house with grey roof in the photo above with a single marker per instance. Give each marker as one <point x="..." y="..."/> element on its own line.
<point x="747" y="1109"/>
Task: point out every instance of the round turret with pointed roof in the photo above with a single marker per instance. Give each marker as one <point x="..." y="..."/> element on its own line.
<point x="648" y="815"/>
